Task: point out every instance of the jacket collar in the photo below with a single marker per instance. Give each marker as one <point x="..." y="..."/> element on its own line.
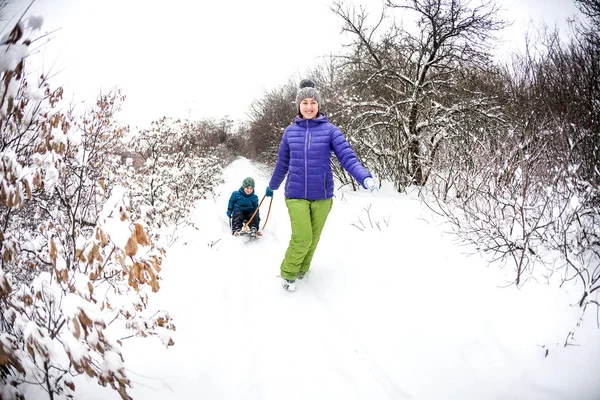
<point x="320" y="119"/>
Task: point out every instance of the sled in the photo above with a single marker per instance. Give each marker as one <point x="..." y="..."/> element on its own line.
<point x="245" y="231"/>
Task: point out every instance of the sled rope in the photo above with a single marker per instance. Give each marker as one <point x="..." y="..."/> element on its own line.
<point x="268" y="213"/>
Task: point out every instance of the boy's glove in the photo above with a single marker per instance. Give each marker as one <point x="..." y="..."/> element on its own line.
<point x="269" y="192"/>
<point x="229" y="213"/>
<point x="370" y="184"/>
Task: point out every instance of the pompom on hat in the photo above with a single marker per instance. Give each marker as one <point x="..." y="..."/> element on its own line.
<point x="307" y="90"/>
<point x="248" y="182"/>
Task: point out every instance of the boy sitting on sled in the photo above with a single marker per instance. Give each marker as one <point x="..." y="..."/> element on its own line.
<point x="242" y="205"/>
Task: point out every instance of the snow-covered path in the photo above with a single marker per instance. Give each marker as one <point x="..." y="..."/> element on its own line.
<point x="390" y="313"/>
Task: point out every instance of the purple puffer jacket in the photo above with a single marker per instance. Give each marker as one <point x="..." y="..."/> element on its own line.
<point x="305" y="155"/>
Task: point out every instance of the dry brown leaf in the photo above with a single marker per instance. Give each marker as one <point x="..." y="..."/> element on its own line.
<point x="37" y="180"/>
<point x="132" y="282"/>
<point x="30" y="351"/>
<point x="62" y="275"/>
<point x="131" y="247"/>
<point x="9" y="359"/>
<point x="103" y="238"/>
<point x="141" y="236"/>
<point x="89" y="371"/>
<point x="154" y="285"/>
<point x="56" y="120"/>
<point x="6" y="255"/>
<point x="122" y="262"/>
<point x="28" y="300"/>
<point x="124" y="216"/>
<point x="5" y="288"/>
<point x="85" y="321"/>
<point x="93" y="254"/>
<point x="53" y="252"/>
<point x="28" y="189"/>
<point x="18" y="195"/>
<point x="76" y="328"/>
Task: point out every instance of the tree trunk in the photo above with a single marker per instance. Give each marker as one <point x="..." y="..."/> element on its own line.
<point x="415" y="161"/>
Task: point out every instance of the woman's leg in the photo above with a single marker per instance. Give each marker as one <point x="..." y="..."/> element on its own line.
<point x="319" y="210"/>
<point x="300" y="219"/>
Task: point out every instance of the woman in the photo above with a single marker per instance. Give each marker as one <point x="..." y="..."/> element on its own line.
<point x="305" y="156"/>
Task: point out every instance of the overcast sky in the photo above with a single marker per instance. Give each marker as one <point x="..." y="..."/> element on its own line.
<point x="208" y="58"/>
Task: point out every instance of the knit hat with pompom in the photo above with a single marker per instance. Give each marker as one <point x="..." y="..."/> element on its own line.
<point x="248" y="182"/>
<point x="307" y="90"/>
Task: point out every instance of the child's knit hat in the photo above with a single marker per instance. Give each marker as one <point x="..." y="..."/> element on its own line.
<point x="248" y="182"/>
<point x="307" y="90"/>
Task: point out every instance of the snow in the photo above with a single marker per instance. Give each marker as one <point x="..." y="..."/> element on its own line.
<point x="575" y="203"/>
<point x="395" y="311"/>
<point x="110" y="218"/>
<point x="38" y="340"/>
<point x="73" y="303"/>
<point x="44" y="285"/>
<point x="112" y="362"/>
<point x="76" y="349"/>
<point x="11" y="55"/>
<point x="82" y="286"/>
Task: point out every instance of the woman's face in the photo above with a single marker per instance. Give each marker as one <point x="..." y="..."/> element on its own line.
<point x="309" y="108"/>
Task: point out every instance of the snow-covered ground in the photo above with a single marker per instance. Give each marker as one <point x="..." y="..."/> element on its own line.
<point x="395" y="312"/>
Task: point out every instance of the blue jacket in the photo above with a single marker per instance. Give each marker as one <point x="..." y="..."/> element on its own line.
<point x="240" y="201"/>
<point x="305" y="156"/>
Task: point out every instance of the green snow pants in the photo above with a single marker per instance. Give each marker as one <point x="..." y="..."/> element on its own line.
<point x="308" y="218"/>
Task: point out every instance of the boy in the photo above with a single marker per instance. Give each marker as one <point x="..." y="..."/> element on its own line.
<point x="242" y="205"/>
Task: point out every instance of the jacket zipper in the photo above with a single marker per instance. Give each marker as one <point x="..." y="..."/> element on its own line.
<point x="306" y="162"/>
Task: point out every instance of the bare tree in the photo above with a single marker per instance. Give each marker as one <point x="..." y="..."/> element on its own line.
<point x="405" y="77"/>
<point x="269" y="117"/>
<point x="63" y="263"/>
<point x="531" y="188"/>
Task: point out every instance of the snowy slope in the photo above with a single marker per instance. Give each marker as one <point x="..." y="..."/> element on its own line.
<point x="392" y="313"/>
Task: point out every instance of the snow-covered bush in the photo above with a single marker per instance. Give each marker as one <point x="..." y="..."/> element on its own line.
<point x="172" y="174"/>
<point x="525" y="185"/>
<point x="76" y="266"/>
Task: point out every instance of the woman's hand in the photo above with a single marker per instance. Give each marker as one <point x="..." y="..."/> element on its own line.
<point x="370" y="184"/>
